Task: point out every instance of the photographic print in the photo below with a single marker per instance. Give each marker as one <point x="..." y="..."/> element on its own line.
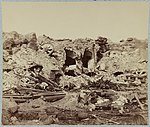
<point x="75" y="63"/>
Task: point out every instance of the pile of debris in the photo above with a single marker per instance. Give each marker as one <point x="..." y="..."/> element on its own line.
<point x="75" y="77"/>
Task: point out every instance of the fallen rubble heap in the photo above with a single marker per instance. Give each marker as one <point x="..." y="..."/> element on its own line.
<point x="82" y="81"/>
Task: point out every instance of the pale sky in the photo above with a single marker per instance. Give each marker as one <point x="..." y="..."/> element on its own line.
<point x="114" y="20"/>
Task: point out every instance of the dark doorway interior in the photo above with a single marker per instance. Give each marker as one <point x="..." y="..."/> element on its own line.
<point x="69" y="58"/>
<point x="86" y="57"/>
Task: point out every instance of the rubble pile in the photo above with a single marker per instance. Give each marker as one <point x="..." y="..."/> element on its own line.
<point x="82" y="81"/>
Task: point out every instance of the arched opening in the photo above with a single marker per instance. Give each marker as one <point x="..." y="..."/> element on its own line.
<point x="86" y="57"/>
<point x="70" y="60"/>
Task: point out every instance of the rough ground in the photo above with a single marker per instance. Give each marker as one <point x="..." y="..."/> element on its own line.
<point x="83" y="81"/>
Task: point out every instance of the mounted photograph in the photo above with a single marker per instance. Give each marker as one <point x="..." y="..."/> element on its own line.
<point x="75" y="63"/>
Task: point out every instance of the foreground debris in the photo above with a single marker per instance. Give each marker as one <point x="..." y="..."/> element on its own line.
<point x="82" y="81"/>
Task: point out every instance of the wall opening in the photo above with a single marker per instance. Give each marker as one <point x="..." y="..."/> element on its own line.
<point x="70" y="60"/>
<point x="86" y="57"/>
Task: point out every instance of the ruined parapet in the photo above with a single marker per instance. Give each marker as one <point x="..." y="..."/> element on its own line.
<point x="43" y="39"/>
<point x="126" y="55"/>
<point x="32" y="39"/>
<point x="12" y="40"/>
<point x="91" y="51"/>
<point x="74" y="53"/>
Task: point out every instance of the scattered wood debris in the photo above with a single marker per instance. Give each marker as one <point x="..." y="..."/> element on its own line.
<point x="82" y="81"/>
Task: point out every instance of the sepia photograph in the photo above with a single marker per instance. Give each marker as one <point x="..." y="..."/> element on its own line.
<point x="75" y="63"/>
